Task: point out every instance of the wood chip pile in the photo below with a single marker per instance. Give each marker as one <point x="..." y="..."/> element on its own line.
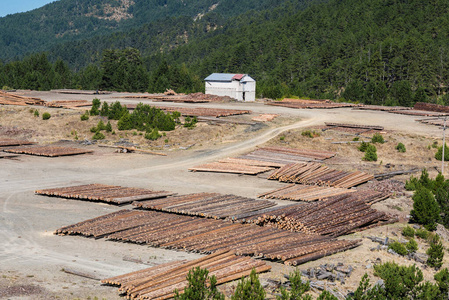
<point x="104" y="193"/>
<point x="13" y="142"/>
<point x="319" y="174"/>
<point x="211" y="205"/>
<point x="431" y="107"/>
<point x="264" y="117"/>
<point x="336" y="216"/>
<point x="285" y="155"/>
<point x="159" y="282"/>
<point x="201" y="235"/>
<point x="300" y="192"/>
<point x="11" y="99"/>
<point x="73" y="104"/>
<point x="49" y="151"/>
<point x="301" y="104"/>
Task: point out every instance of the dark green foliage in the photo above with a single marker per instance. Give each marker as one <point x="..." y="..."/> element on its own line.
<point x="125" y="122"/>
<point x="420" y="95"/>
<point x="85" y="116"/>
<point x="297" y="288"/>
<point x="411" y="184"/>
<point x="425" y="209"/>
<point x="377" y="138"/>
<point x="363" y="146"/>
<point x="423" y="181"/>
<point x="310" y="133"/>
<point x="108" y="127"/>
<point x="176" y="115"/>
<point x="398" y="248"/>
<point x="116" y="111"/>
<point x="177" y="78"/>
<point x="422" y="233"/>
<point x="370" y="153"/>
<point x="46" y="116"/>
<point x="93" y="129"/>
<point x="98" y="136"/>
<point x="442" y="279"/>
<point x="200" y="286"/>
<point x="408" y="231"/>
<point x="439" y="153"/>
<point x="95" y="106"/>
<point x="325" y="295"/>
<point x="355" y="139"/>
<point x="101" y="126"/>
<point x="153" y="135"/>
<point x="412" y="246"/>
<point x="249" y="288"/>
<point x="435" y="252"/>
<point x="36" y="113"/>
<point x="366" y="292"/>
<point x="400" y="147"/>
<point x="190" y="122"/>
<point x="442" y="197"/>
<point x="104" y="111"/>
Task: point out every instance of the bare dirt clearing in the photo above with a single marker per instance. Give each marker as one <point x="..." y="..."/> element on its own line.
<point x="33" y="258"/>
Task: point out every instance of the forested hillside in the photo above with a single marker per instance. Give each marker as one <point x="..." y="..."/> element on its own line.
<point x="373" y="51"/>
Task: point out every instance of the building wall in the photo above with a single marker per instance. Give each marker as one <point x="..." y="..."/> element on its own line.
<point x="233" y="89"/>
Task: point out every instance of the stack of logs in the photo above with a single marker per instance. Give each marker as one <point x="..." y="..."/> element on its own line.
<point x="11" y="99"/>
<point x="161" y="281"/>
<point x="201" y="235"/>
<point x="104" y="193"/>
<point x="49" y="151"/>
<point x="336" y="216"/>
<point x="300" y="192"/>
<point x="210" y="205"/>
<point x="231" y="167"/>
<point x="316" y="173"/>
<point x="13" y="142"/>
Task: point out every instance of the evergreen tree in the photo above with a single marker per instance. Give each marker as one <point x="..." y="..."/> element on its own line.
<point x="425" y="209"/>
<point x="435" y="252"/>
<point x="198" y="288"/>
<point x="249" y="289"/>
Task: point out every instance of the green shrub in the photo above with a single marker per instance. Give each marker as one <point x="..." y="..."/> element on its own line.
<point x="363" y="146"/>
<point x="249" y="289"/>
<point x="370" y="153"/>
<point x="412" y="184"/>
<point x="85" y="117"/>
<point x="439" y="153"/>
<point x="125" y="122"/>
<point x="377" y="138"/>
<point x="108" y="127"/>
<point x="408" y="231"/>
<point x="425" y="210"/>
<point x="46" y="116"/>
<point x="356" y="139"/>
<point x="297" y="287"/>
<point x="422" y="233"/>
<point x="36" y="113"/>
<point x="198" y="288"/>
<point x="101" y="126"/>
<point x="98" y="136"/>
<point x="435" y="252"/>
<point x="400" y="147"/>
<point x="310" y="133"/>
<point x="154" y="135"/>
<point x="104" y="111"/>
<point x="190" y="122"/>
<point x="95" y="106"/>
<point x="412" y="246"/>
<point x="398" y="248"/>
<point x="93" y="129"/>
<point x="282" y="137"/>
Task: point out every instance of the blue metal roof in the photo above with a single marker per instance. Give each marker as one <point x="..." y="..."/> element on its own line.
<point x="219" y="77"/>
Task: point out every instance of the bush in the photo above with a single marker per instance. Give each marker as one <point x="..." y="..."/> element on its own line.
<point x="355" y="139"/>
<point x="377" y="138"/>
<point x="310" y="133"/>
<point x="36" y="113"/>
<point x="101" y="126"/>
<point x="154" y="135"/>
<point x="46" y="116"/>
<point x="412" y="184"/>
<point x="435" y="252"/>
<point x="125" y="122"/>
<point x="400" y="147"/>
<point x="95" y="106"/>
<point x="297" y="287"/>
<point x="422" y="233"/>
<point x="425" y="209"/>
<point x="249" y="289"/>
<point x="370" y="153"/>
<point x="398" y="248"/>
<point x="93" y="129"/>
<point x="197" y="288"/>
<point x="104" y="111"/>
<point x="408" y="231"/>
<point x="439" y="153"/>
<point x="108" y="127"/>
<point x="85" y="116"/>
<point x="363" y="146"/>
<point x="190" y="122"/>
<point x="98" y="136"/>
<point x="412" y="246"/>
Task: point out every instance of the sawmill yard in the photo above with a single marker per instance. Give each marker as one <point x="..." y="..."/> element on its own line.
<point x="43" y="199"/>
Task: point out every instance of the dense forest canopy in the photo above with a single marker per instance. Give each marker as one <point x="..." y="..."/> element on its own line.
<point x="374" y="51"/>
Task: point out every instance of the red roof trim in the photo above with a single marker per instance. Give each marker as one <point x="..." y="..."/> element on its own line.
<point x="238" y="76"/>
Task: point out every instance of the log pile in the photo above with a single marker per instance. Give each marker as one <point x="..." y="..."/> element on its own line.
<point x="70" y="104"/>
<point x="336" y="216"/>
<point x="210" y="205"/>
<point x="283" y="155"/>
<point x="299" y="192"/>
<point x="383" y="108"/>
<point x="161" y="281"/>
<point x="13" y="142"/>
<point x="433" y="121"/>
<point x="49" y="151"/>
<point x="353" y="126"/>
<point x="302" y="104"/>
<point x="431" y="107"/>
<point x="235" y="168"/>
<point x="419" y="113"/>
<point x="11" y="99"/>
<point x="195" y="234"/>
<point x="104" y="193"/>
<point x="316" y="173"/>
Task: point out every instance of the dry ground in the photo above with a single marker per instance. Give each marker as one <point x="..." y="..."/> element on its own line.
<point x="33" y="258"/>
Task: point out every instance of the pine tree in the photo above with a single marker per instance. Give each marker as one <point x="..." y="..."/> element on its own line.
<point x="425" y="209"/>
<point x="435" y="252"/>
<point x="249" y="288"/>
<point x="198" y="288"/>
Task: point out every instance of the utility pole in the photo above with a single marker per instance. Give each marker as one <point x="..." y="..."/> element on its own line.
<point x="444" y="146"/>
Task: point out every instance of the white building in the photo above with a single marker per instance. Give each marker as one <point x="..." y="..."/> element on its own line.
<point x="237" y="86"/>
